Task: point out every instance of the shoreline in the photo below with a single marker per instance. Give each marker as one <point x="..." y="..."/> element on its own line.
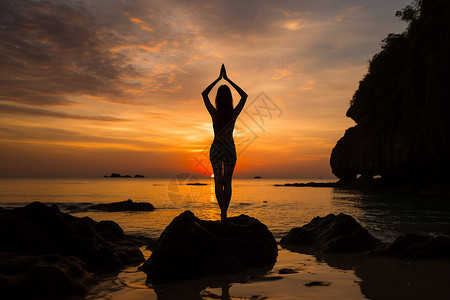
<point x="378" y="184"/>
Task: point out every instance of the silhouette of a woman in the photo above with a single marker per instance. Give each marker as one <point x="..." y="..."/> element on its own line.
<point x="223" y="150"/>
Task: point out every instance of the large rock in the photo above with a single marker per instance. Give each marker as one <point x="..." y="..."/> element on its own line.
<point x="447" y="231"/>
<point x="418" y="246"/>
<point x="50" y="276"/>
<point x="192" y="248"/>
<point x="401" y="107"/>
<point x="127" y="205"/>
<point x="332" y="233"/>
<point x="50" y="254"/>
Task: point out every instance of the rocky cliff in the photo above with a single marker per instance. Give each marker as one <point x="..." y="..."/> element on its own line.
<point x="402" y="105"/>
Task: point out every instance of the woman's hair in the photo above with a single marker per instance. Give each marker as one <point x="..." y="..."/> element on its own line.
<point x="224" y="105"/>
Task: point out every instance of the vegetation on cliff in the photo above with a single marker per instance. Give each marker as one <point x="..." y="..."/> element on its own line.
<point x="402" y="105"/>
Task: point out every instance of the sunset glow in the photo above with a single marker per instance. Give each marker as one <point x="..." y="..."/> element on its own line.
<point x="91" y="88"/>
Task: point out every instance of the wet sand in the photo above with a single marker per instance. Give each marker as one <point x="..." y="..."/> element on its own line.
<point x="331" y="276"/>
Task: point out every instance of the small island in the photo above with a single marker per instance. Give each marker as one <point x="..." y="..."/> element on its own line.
<point x="117" y="175"/>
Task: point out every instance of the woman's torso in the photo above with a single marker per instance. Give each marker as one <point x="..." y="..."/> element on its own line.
<point x="223" y="130"/>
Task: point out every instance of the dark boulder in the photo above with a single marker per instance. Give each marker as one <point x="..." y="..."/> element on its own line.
<point x="418" y="246"/>
<point x="192" y="248"/>
<point x="50" y="254"/>
<point x="447" y="231"/>
<point x="127" y="205"/>
<point x="332" y="233"/>
<point x="287" y="271"/>
<point x="317" y="283"/>
<point x="50" y="276"/>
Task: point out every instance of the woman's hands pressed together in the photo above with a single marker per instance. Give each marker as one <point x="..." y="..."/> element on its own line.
<point x="223" y="73"/>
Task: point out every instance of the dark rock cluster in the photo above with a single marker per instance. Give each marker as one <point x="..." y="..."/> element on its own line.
<point x="332" y="233"/>
<point x="192" y="248"/>
<point x="418" y="246"/>
<point x="48" y="254"/>
<point x="401" y="106"/>
<point x="342" y="234"/>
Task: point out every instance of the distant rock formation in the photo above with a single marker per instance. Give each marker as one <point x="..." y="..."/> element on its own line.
<point x="402" y="105"/>
<point x="309" y="184"/>
<point x="48" y="254"/>
<point x="332" y="233"/>
<point x="117" y="175"/>
<point x="192" y="248"/>
<point x="127" y="205"/>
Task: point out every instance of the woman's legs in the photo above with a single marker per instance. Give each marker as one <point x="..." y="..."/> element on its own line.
<point x="227" y="176"/>
<point x="223" y="161"/>
<point x="218" y="185"/>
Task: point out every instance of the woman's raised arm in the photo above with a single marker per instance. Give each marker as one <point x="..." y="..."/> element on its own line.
<point x="240" y="105"/>
<point x="205" y="94"/>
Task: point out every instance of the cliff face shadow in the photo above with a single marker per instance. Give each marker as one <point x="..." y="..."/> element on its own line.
<point x="387" y="278"/>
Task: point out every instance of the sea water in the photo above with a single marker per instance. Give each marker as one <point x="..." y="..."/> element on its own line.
<point x="385" y="215"/>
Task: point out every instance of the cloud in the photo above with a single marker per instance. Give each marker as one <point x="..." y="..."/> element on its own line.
<point x="21" y="110"/>
<point x="124" y="51"/>
<point x="82" y="60"/>
<point x="51" y="51"/>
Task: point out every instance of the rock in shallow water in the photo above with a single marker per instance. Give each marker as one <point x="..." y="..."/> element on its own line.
<point x="418" y="246"/>
<point x="317" y="283"/>
<point x="332" y="233"/>
<point x="192" y="248"/>
<point x="60" y="250"/>
<point x="287" y="271"/>
<point x="127" y="205"/>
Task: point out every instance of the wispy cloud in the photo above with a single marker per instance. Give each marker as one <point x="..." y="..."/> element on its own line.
<point x="31" y="111"/>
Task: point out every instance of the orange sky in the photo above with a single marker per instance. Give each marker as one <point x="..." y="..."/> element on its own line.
<point x="89" y="88"/>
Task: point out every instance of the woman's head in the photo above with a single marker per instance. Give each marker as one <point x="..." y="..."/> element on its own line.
<point x="224" y="100"/>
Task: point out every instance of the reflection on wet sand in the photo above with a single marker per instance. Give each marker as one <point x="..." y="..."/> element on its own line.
<point x="197" y="289"/>
<point x="383" y="278"/>
<point x="269" y="283"/>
